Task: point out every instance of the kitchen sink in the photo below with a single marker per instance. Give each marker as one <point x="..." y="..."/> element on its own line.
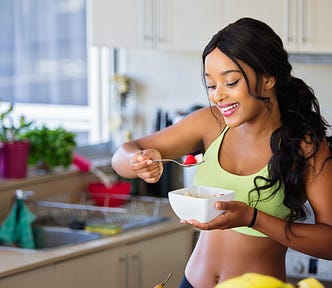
<point x="55" y="237"/>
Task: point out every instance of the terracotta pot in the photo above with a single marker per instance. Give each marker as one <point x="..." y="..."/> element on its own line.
<point x="14" y="159"/>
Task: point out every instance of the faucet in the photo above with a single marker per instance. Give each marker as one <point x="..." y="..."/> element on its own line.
<point x="23" y="195"/>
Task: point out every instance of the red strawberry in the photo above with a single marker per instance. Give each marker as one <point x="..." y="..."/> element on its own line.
<point x="190" y="159"/>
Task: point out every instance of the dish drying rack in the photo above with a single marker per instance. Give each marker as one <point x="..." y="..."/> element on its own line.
<point x="68" y="208"/>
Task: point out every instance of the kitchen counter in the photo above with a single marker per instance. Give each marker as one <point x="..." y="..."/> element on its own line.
<point x="13" y="261"/>
<point x="124" y="259"/>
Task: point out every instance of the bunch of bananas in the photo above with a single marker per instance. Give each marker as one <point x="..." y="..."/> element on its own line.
<point x="255" y="280"/>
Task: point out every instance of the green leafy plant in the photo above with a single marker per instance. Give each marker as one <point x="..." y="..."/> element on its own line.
<point x="50" y="147"/>
<point x="12" y="129"/>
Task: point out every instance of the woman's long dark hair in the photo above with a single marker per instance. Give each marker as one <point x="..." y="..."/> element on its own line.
<point x="256" y="44"/>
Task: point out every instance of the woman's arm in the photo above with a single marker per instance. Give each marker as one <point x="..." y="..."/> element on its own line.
<point x="313" y="239"/>
<point x="133" y="158"/>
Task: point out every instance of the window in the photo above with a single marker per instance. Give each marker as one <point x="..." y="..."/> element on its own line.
<point x="49" y="70"/>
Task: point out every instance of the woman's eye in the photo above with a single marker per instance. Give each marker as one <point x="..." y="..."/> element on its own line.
<point x="231" y="84"/>
<point x="211" y="87"/>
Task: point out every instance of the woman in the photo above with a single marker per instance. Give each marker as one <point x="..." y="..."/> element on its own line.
<point x="264" y="138"/>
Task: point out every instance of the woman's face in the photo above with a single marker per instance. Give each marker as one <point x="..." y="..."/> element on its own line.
<point x="228" y="89"/>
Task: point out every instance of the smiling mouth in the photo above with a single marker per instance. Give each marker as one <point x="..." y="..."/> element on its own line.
<point x="229" y="108"/>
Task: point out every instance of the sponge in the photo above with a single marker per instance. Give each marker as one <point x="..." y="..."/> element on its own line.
<point x="105" y="229"/>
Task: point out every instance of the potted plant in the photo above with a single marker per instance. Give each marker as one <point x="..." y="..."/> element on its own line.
<point x="50" y="148"/>
<point x="14" y="148"/>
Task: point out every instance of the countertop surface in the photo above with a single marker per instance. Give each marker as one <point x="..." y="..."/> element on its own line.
<point x="13" y="261"/>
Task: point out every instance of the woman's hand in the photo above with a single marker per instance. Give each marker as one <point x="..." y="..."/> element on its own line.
<point x="236" y="214"/>
<point x="141" y="164"/>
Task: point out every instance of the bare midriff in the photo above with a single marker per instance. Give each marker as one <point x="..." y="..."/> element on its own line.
<point x="223" y="254"/>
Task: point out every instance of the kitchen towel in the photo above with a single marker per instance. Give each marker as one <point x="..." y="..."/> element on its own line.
<point x="16" y="229"/>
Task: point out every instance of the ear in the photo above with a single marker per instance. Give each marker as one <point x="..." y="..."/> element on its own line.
<point x="268" y="82"/>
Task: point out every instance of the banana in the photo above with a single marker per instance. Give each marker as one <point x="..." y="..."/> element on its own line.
<point x="310" y="283"/>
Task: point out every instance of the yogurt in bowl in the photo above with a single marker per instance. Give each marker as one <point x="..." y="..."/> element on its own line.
<point x="197" y="202"/>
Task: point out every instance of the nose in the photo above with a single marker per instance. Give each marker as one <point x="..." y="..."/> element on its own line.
<point x="218" y="95"/>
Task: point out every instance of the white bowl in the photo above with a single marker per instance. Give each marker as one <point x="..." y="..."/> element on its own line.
<point x="197" y="202"/>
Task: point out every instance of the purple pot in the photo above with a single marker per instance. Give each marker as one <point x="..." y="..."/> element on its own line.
<point x="14" y="159"/>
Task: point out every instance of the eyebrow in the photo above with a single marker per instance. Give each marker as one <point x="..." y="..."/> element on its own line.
<point x="226" y="72"/>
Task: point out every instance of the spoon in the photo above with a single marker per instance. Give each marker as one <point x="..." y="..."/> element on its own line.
<point x="177" y="162"/>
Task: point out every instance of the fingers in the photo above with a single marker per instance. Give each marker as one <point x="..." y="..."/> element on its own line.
<point x="142" y="164"/>
<point x="227" y="205"/>
<point x="235" y="214"/>
<point x="198" y="225"/>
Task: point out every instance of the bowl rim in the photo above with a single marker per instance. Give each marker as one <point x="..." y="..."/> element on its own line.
<point x="226" y="192"/>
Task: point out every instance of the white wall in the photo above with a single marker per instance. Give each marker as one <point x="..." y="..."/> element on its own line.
<point x="319" y="77"/>
<point x="172" y="81"/>
<point x="167" y="80"/>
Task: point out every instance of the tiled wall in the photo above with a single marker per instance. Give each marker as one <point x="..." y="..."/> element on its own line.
<point x="172" y="81"/>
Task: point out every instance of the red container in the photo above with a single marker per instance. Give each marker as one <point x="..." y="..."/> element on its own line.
<point x="14" y="159"/>
<point x="112" y="196"/>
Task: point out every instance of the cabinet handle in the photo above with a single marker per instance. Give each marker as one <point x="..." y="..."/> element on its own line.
<point x="145" y="36"/>
<point x="286" y="21"/>
<point x="159" y="37"/>
<point x="301" y="23"/>
<point x="138" y="259"/>
<point x="287" y="36"/>
<point x="125" y="260"/>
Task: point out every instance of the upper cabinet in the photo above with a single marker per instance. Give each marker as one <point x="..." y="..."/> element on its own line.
<point x="182" y="25"/>
<point x="187" y="25"/>
<point x="303" y="25"/>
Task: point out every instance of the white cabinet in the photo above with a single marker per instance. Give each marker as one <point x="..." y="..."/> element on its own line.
<point x="182" y="25"/>
<point x="143" y="263"/>
<point x="102" y="269"/>
<point x="271" y="12"/>
<point x="152" y="260"/>
<point x="315" y="23"/>
<point x="138" y="265"/>
<point x="303" y="25"/>
<point x="37" y="278"/>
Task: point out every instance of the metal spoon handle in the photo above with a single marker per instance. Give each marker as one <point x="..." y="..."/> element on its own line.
<point x="177" y="162"/>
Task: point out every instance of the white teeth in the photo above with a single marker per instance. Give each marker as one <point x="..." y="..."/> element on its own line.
<point x="230" y="107"/>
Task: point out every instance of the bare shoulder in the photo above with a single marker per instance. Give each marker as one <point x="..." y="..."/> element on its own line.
<point x="207" y="117"/>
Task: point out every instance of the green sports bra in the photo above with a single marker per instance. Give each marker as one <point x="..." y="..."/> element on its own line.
<point x="212" y="174"/>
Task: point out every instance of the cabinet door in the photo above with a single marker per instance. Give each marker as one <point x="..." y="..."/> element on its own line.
<point x="37" y="278"/>
<point x="152" y="260"/>
<point x="303" y="25"/>
<point x="125" y="23"/>
<point x="103" y="269"/>
<point x="187" y="25"/>
<point x="164" y="24"/>
<point x="272" y="12"/>
<point x="315" y="24"/>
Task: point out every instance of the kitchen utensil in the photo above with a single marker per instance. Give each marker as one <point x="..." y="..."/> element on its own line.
<point x="85" y="165"/>
<point x="177" y="162"/>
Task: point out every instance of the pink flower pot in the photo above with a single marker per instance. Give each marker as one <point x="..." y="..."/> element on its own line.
<point x="14" y="159"/>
